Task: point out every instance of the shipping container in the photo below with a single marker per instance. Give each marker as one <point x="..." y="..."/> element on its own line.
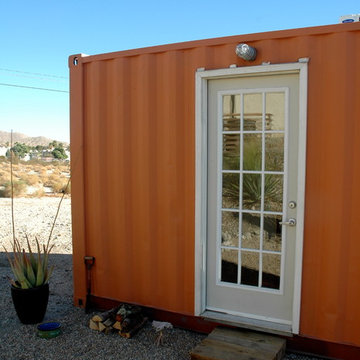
<point x="207" y="186"/>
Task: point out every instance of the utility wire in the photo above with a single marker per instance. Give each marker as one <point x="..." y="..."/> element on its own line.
<point x="33" y="87"/>
<point x="37" y="77"/>
<point x="32" y="73"/>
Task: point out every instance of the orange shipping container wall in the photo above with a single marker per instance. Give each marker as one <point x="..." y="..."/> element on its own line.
<point x="133" y="171"/>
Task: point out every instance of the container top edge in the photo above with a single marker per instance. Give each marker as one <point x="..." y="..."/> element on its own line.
<point x="278" y="34"/>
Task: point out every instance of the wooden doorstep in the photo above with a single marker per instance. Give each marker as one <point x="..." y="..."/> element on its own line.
<point x="235" y="344"/>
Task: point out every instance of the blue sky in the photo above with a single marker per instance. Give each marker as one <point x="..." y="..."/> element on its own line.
<point x="38" y="36"/>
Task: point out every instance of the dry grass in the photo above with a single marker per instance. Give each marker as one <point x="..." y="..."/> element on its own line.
<point x="31" y="178"/>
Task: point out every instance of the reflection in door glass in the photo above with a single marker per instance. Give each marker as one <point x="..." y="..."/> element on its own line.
<point x="251" y="191"/>
<point x="231" y="152"/>
<point x="231" y="112"/>
<point x="271" y="265"/>
<point x="230" y="191"/>
<point x="253" y="110"/>
<point x="275" y="111"/>
<point x="252" y="152"/>
<point x="230" y="228"/>
<point x="273" y="194"/>
<point x="252" y="173"/>
<point x="272" y="233"/>
<point x="274" y="152"/>
<point x="250" y="231"/>
<point x="229" y="265"/>
<point x="249" y="268"/>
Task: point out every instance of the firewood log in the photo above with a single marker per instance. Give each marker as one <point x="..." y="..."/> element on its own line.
<point x="94" y="325"/>
<point x="105" y="315"/>
<point x="117" y="325"/>
<point x="102" y="327"/>
<point x="131" y="320"/>
<point x="131" y="332"/>
<point x="108" y="322"/>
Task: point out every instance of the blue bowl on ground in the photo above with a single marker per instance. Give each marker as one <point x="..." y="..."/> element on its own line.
<point x="49" y="330"/>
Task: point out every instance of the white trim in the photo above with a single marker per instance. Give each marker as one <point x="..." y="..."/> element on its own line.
<point x="251" y="316"/>
<point x="200" y="193"/>
<point x="303" y="94"/>
<point x="201" y="80"/>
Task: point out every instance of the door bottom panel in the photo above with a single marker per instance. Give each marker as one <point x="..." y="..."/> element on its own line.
<point x="248" y="323"/>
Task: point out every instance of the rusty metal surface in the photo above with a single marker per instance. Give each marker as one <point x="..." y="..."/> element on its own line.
<point x="133" y="151"/>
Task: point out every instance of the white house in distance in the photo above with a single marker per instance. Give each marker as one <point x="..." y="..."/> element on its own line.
<point x="3" y="150"/>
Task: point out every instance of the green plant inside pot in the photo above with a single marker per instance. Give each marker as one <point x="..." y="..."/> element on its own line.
<point x="29" y="288"/>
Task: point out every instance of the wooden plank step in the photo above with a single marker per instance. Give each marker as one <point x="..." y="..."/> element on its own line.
<point x="238" y="344"/>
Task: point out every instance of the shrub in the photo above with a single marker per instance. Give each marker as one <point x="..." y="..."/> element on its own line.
<point x="31" y="179"/>
<point x="61" y="187"/>
<point x="19" y="189"/>
<point x="38" y="193"/>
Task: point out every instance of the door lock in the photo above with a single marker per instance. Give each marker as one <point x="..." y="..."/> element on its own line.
<point x="292" y="204"/>
<point x="290" y="222"/>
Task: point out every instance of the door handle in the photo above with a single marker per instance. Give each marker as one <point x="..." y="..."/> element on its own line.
<point x="290" y="222"/>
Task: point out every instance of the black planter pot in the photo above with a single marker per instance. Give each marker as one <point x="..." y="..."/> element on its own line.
<point x="30" y="304"/>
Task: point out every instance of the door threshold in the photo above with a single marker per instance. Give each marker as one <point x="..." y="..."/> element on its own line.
<point x="247" y="323"/>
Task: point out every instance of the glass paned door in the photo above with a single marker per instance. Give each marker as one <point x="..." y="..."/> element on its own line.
<point x="252" y="176"/>
<point x="251" y="143"/>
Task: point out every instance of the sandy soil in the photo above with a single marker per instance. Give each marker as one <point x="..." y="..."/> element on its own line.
<point x="34" y="217"/>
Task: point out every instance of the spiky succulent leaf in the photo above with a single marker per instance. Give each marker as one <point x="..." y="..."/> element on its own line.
<point x="40" y="271"/>
<point x="30" y="272"/>
<point x="31" y="255"/>
<point x="48" y="274"/>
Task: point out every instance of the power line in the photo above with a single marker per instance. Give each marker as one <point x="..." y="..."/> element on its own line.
<point x="33" y="73"/>
<point x="34" y="88"/>
<point x="37" y="77"/>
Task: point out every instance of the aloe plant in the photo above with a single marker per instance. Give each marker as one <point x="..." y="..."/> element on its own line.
<point x="30" y="269"/>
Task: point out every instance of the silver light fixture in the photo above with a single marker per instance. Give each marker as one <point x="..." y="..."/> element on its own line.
<point x="246" y="52"/>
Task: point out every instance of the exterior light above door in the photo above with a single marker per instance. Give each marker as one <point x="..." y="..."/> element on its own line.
<point x="246" y="52"/>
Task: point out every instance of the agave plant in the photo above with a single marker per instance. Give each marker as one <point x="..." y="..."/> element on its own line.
<point x="30" y="269"/>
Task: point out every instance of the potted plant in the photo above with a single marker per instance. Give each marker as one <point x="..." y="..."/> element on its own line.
<point x="30" y="289"/>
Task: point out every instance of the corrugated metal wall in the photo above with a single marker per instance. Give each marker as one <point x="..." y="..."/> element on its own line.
<point x="133" y="152"/>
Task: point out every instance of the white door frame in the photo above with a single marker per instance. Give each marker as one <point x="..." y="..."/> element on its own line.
<point x="201" y="83"/>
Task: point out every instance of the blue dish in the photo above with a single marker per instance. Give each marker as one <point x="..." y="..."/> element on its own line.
<point x="49" y="330"/>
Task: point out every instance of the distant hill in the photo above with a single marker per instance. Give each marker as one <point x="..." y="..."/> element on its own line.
<point x="24" y="139"/>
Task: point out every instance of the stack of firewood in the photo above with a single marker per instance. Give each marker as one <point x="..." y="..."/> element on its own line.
<point x="126" y="319"/>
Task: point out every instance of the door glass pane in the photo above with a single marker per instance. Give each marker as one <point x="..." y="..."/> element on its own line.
<point x="273" y="192"/>
<point x="249" y="268"/>
<point x="275" y="111"/>
<point x="253" y="111"/>
<point x="252" y="152"/>
<point x="230" y="228"/>
<point x="253" y="172"/>
<point x="231" y="152"/>
<point x="250" y="237"/>
<point x="251" y="191"/>
<point x="271" y="264"/>
<point x="231" y="112"/>
<point x="230" y="191"/>
<point x="229" y="265"/>
<point x="274" y="152"/>
<point x="272" y="233"/>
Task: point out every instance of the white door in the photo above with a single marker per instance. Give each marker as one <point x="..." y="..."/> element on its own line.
<point x="252" y="189"/>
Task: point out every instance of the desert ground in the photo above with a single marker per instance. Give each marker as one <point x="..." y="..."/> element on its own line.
<point x="34" y="217"/>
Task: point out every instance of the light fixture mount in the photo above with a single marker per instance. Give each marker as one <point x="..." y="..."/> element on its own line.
<point x="246" y="52"/>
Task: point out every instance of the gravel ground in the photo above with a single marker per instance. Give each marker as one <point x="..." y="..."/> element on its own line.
<point x="77" y="341"/>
